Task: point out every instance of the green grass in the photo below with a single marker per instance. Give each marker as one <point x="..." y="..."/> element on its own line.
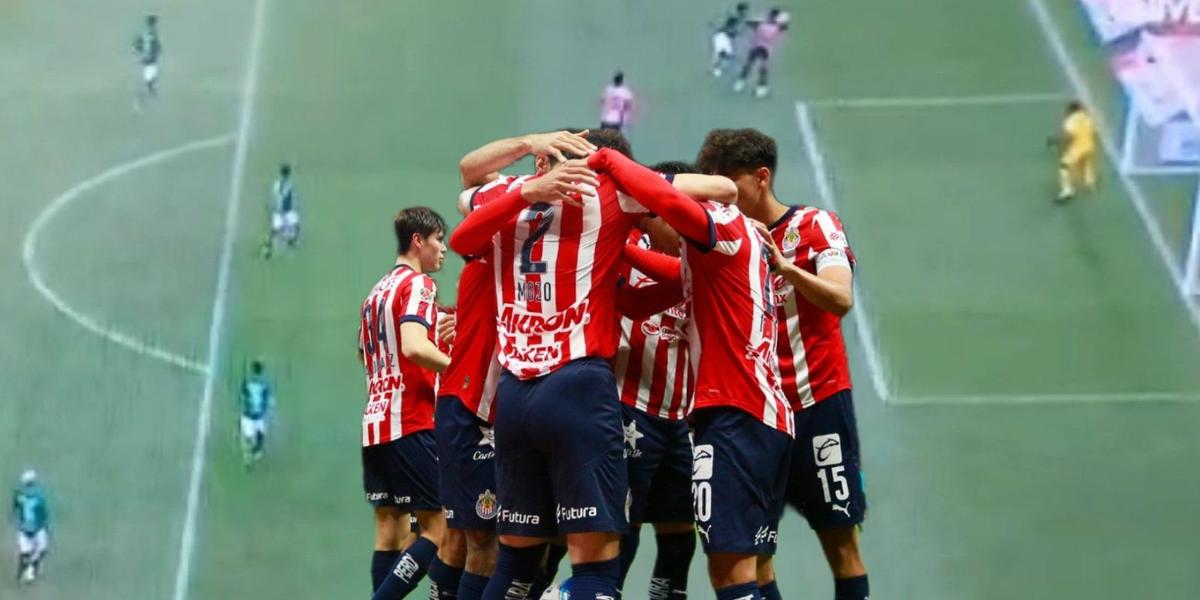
<point x="977" y="285"/>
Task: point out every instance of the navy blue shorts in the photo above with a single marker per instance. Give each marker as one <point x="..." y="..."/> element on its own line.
<point x="402" y="473"/>
<point x="739" y="475"/>
<point x="560" y="453"/>
<point x="466" y="466"/>
<point x="825" y="483"/>
<point x="658" y="453"/>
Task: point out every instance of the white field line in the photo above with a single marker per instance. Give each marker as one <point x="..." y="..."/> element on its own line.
<point x="1083" y="91"/>
<point x="1066" y="398"/>
<point x="816" y="159"/>
<point x="29" y="250"/>
<point x="187" y="538"/>
<point x="938" y="101"/>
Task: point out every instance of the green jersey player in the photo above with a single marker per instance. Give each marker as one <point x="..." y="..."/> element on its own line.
<point x="285" y="216"/>
<point x="257" y="398"/>
<point x="32" y="516"/>
<point x="148" y="48"/>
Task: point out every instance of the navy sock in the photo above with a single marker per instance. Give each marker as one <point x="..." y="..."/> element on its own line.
<point x="516" y="568"/>
<point x="408" y="571"/>
<point x="670" y="578"/>
<point x="471" y="586"/>
<point x="851" y="588"/>
<point x="744" y="591"/>
<point x="595" y="580"/>
<point x="545" y="578"/>
<point x="443" y="580"/>
<point x="770" y="591"/>
<point x="381" y="565"/>
<point x="629" y="548"/>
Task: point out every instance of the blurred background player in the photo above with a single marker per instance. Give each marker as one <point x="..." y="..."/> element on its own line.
<point x="148" y="48"/>
<point x="32" y="516"/>
<point x="398" y="349"/>
<point x="285" y="218"/>
<point x="1078" y="145"/>
<point x="766" y="37"/>
<point x="724" y="35"/>
<point x="616" y="105"/>
<point x="257" y="398"/>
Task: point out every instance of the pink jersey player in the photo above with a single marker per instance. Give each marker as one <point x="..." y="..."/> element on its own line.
<point x="616" y="105"/>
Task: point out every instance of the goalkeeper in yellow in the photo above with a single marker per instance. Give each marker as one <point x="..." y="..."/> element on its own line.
<point x="1078" y="144"/>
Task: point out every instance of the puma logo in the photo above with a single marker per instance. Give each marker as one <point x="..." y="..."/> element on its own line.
<point x="844" y="509"/>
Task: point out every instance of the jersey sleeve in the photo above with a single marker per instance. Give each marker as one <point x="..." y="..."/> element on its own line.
<point x="827" y="242"/>
<point x="418" y="306"/>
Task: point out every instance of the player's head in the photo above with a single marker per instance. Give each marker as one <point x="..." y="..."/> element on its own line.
<point x="673" y="167"/>
<point x="421" y="235"/>
<point x="611" y="138"/>
<point x="285" y="170"/>
<point x="774" y="14"/>
<point x="29" y="477"/>
<point x="747" y="156"/>
<point x="151" y="20"/>
<point x="1074" y="106"/>
<point x="742" y="8"/>
<point x="256" y="367"/>
<point x="619" y="78"/>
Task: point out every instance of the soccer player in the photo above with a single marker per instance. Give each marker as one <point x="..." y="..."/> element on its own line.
<point x="1078" y="143"/>
<point x="258" y="396"/>
<point x="765" y="40"/>
<point x="399" y="352"/>
<point x="285" y="218"/>
<point x="148" y="48"/>
<point x="743" y="424"/>
<point x="559" y="437"/>
<point x="724" y="35"/>
<point x="814" y="280"/>
<point x="32" y="515"/>
<point x="616" y="105"/>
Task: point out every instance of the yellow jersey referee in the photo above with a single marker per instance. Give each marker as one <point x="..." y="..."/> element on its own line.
<point x="1078" y="162"/>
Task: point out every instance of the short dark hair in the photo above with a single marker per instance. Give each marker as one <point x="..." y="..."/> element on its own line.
<point x="285" y="169"/>
<point x="1074" y="106"/>
<point x="733" y="151"/>
<point x="673" y="167"/>
<point x="420" y="220"/>
<point x="619" y="78"/>
<point x="610" y="138"/>
<point x="256" y="366"/>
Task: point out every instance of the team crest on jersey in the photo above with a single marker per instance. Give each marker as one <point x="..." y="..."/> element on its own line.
<point x="669" y="335"/>
<point x="486" y="505"/>
<point x="427" y="294"/>
<point x="791" y="239"/>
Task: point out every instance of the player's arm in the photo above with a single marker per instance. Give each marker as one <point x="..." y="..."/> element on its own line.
<point x="830" y="289"/>
<point x="644" y="302"/>
<point x="657" y="194"/>
<point x="416" y="346"/>
<point x="706" y="187"/>
<point x="474" y="235"/>
<point x="655" y="265"/>
<point x="483" y="164"/>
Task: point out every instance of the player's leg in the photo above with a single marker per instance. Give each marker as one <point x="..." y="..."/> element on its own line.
<point x="669" y="508"/>
<point x="756" y="55"/>
<point x="41" y="546"/>
<point x="466" y="484"/>
<point x="1089" y="171"/>
<point x="150" y="75"/>
<point x="480" y="563"/>
<point x="413" y="460"/>
<point x="722" y="52"/>
<point x="1068" y="174"/>
<point x="248" y="439"/>
<point x="643" y="453"/>
<point x="391" y="531"/>
<point x="762" y="89"/>
<point x="556" y="550"/>
<point x="825" y="485"/>
<point x="24" y="557"/>
<point x="291" y="228"/>
<point x="527" y="517"/>
<point x="588" y="470"/>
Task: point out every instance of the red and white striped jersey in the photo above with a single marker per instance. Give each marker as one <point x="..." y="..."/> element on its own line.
<point x="400" y="394"/>
<point x="651" y="366"/>
<point x="812" y="352"/>
<point x="732" y="341"/>
<point x="556" y="266"/>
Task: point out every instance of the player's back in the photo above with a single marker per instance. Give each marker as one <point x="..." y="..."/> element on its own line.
<point x="811" y="349"/>
<point x="556" y="268"/>
<point x="732" y="344"/>
<point x="1081" y="130"/>
<point x="767" y="34"/>
<point x="256" y="396"/>
<point x="616" y="102"/>
<point x="283" y="193"/>
<point x="400" y="393"/>
<point x="31" y="508"/>
<point x="472" y="373"/>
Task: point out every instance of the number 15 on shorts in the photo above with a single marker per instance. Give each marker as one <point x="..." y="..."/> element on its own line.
<point x="827" y="453"/>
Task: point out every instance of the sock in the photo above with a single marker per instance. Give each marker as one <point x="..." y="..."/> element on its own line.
<point x="381" y="565"/>
<point x="258" y="443"/>
<point x="545" y="578"/>
<point x="443" y="580"/>
<point x="1065" y="186"/>
<point x="851" y="588"/>
<point x="408" y="571"/>
<point x="629" y="548"/>
<point x="744" y="591"/>
<point x="516" y="568"/>
<point x="670" y="578"/>
<point x="595" y="580"/>
<point x="770" y="591"/>
<point x="471" y="586"/>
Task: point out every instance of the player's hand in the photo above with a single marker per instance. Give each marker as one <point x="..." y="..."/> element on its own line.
<point x="560" y="143"/>
<point x="445" y="326"/>
<point x="564" y="183"/>
<point x="778" y="260"/>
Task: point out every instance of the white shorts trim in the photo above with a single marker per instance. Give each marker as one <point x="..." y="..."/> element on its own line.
<point x="36" y="543"/>
<point x="253" y="427"/>
<point x="149" y="73"/>
<point x="280" y="221"/>
<point x="722" y="45"/>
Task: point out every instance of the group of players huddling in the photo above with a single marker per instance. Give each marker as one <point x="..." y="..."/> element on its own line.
<point x="629" y="346"/>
